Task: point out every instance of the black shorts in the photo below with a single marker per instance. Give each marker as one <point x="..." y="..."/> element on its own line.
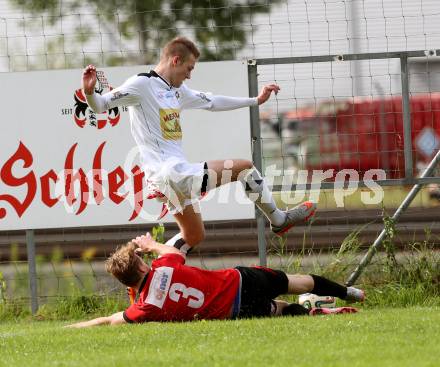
<point x="259" y="286"/>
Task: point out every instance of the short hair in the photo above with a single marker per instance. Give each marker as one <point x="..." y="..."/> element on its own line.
<point x="124" y="264"/>
<point x="180" y="46"/>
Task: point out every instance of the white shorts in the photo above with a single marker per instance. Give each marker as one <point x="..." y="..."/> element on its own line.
<point x="180" y="182"/>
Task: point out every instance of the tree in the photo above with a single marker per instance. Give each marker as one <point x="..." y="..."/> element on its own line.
<point x="219" y="27"/>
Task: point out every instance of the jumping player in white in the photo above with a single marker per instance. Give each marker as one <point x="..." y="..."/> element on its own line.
<point x="155" y="100"/>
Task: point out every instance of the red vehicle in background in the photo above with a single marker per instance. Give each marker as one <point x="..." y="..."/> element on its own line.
<point x="363" y="134"/>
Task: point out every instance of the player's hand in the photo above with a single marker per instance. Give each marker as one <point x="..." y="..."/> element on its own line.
<point x="266" y="92"/>
<point x="89" y="79"/>
<point x="145" y="243"/>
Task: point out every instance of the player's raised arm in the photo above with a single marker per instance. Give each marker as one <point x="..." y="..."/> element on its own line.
<point x="115" y="319"/>
<point x="89" y="79"/>
<point x="147" y="244"/>
<point x="128" y="94"/>
<point x="95" y="101"/>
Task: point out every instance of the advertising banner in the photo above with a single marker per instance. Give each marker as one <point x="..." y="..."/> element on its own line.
<point x="62" y="165"/>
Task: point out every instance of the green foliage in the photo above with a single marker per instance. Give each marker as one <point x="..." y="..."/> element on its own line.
<point x="2" y="289"/>
<point x="38" y="6"/>
<point x="408" y="277"/>
<point x="14" y="310"/>
<point x="394" y="294"/>
<point x="64" y="308"/>
<point x="388" y="243"/>
<point x="40" y="259"/>
<point x="220" y="27"/>
<point x="89" y="254"/>
<point x="341" y="262"/>
<point x="56" y="255"/>
<point x="281" y="258"/>
<point x="81" y="306"/>
<point x="420" y="265"/>
<point x="14" y="254"/>
<point x="158" y="233"/>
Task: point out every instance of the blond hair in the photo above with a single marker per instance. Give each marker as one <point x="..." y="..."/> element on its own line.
<point x="124" y="264"/>
<point x="182" y="47"/>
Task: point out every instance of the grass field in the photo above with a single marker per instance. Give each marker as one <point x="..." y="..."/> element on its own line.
<point x="374" y="337"/>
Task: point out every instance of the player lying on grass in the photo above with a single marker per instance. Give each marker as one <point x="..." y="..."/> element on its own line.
<point x="155" y="100"/>
<point x="169" y="290"/>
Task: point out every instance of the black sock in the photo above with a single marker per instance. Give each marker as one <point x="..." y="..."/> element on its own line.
<point x="326" y="287"/>
<point x="294" y="309"/>
<point x="181" y="245"/>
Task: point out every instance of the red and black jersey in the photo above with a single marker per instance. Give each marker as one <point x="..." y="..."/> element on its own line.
<point x="173" y="291"/>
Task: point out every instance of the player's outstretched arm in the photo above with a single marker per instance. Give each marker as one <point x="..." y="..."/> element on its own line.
<point x="224" y="103"/>
<point x="192" y="99"/>
<point x="147" y="244"/>
<point x="115" y="319"/>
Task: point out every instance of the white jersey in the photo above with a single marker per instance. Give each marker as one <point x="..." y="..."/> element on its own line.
<point x="154" y="107"/>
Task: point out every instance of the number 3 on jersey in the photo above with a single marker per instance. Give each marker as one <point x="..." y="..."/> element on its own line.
<point x="161" y="286"/>
<point x="195" y="297"/>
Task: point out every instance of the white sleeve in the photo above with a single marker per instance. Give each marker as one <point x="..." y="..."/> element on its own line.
<point x="128" y="94"/>
<point x="225" y="103"/>
<point x="193" y="99"/>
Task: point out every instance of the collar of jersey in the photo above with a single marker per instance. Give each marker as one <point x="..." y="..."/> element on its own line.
<point x="156" y="75"/>
<point x="143" y="283"/>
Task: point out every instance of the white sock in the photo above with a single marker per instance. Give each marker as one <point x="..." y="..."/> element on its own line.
<point x="179" y="243"/>
<point x="257" y="191"/>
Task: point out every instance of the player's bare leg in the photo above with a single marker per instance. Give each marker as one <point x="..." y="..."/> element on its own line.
<point x="225" y="171"/>
<point x="221" y="172"/>
<point x="321" y="286"/>
<point x="192" y="229"/>
<point x="299" y="284"/>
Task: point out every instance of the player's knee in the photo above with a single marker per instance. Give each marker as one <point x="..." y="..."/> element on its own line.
<point x="247" y="164"/>
<point x="241" y="169"/>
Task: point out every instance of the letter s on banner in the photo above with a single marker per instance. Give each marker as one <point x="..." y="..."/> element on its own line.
<point x="375" y="189"/>
<point x="7" y="177"/>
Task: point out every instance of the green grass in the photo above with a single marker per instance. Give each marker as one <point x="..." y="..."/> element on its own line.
<point x="373" y="337"/>
<point x="399" y="324"/>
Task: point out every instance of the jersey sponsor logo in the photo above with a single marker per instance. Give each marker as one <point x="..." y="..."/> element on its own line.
<point x="159" y="286"/>
<point x="82" y="114"/>
<point x="170" y="123"/>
